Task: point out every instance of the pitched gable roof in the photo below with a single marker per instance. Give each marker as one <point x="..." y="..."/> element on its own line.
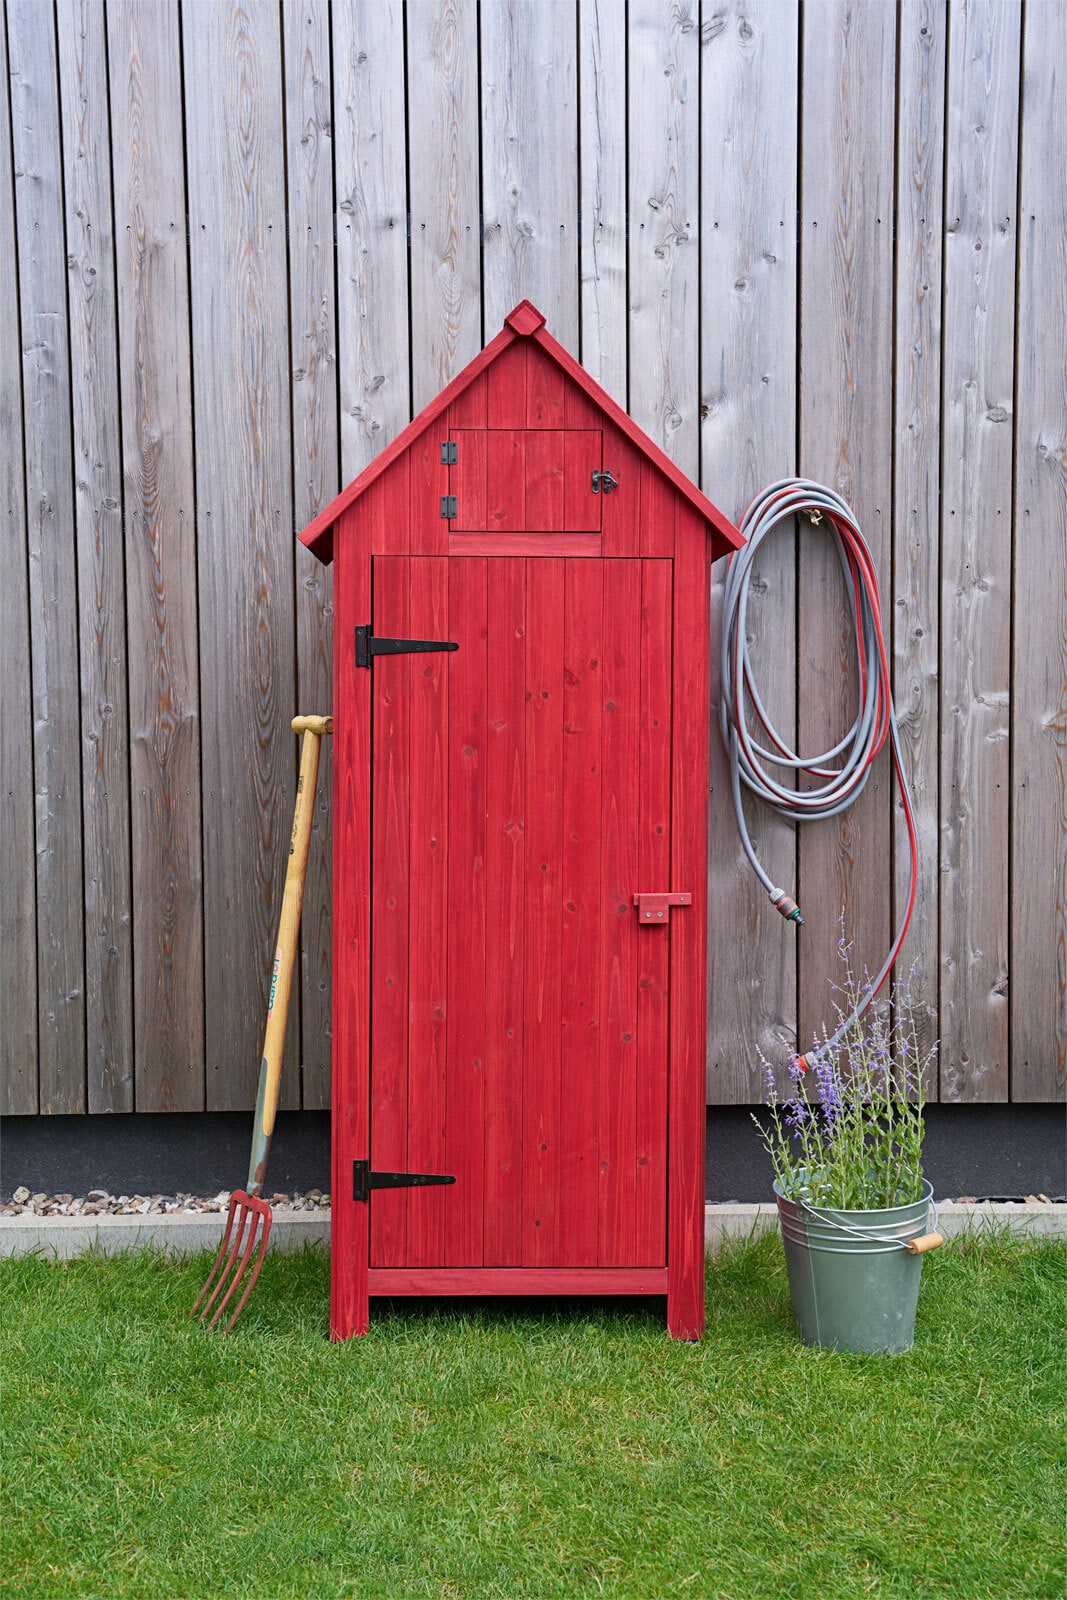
<point x="524" y="322"/>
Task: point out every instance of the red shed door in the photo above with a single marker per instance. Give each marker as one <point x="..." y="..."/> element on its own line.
<point x="521" y="798"/>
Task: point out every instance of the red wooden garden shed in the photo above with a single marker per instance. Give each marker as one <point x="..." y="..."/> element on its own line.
<point x="520" y="841"/>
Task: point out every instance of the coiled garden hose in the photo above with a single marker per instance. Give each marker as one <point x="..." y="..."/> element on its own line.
<point x="843" y="770"/>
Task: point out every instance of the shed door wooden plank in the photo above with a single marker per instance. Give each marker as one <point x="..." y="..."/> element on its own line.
<point x="976" y="503"/>
<point x="654" y="944"/>
<point x="233" y="98"/>
<point x="155" y="373"/>
<point x="506" y="909"/>
<point x="505" y="384"/>
<point x="544" y="480"/>
<point x="748" y="307"/>
<point x="395" y="780"/>
<point x="101" y="568"/>
<point x="581" y="458"/>
<point x="428" y="910"/>
<point x="466" y="480"/>
<point x="545" y="390"/>
<point x="583" y="652"/>
<point x="37" y="154"/>
<point x="316" y="478"/>
<point x="505" y="476"/>
<point x="1039" y="686"/>
<point x="620" y="768"/>
<point x="467" y="910"/>
<point x="541" y="1109"/>
<point x="18" y="972"/>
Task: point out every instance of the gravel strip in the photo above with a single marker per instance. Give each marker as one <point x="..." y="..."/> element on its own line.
<point x="99" y="1203"/>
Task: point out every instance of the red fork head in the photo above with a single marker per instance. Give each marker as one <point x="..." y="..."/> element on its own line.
<point x="249" y="1239"/>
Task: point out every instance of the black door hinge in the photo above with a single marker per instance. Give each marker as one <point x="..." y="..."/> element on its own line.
<point x="449" y="453"/>
<point x="369" y="644"/>
<point x="448" y="505"/>
<point x="607" y="479"/>
<point x="364" y="1180"/>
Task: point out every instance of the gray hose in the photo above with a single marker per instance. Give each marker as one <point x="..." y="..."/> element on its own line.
<point x="758" y="767"/>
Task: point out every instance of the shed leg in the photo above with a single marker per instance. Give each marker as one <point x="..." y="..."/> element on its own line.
<point x="685" y="1310"/>
<point x="349" y="1303"/>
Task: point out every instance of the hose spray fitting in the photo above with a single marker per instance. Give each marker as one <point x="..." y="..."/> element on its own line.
<point x="786" y="906"/>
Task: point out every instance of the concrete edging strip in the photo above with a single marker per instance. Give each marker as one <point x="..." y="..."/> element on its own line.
<point x="185" y="1233"/>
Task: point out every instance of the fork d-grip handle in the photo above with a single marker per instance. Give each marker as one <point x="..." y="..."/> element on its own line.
<point x="281" y="983"/>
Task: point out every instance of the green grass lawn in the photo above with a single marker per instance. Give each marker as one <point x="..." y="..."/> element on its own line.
<point x="533" y="1449"/>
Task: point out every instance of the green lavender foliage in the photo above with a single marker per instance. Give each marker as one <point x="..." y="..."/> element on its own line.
<point x="859" y="1145"/>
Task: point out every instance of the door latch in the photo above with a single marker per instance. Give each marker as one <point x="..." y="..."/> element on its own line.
<point x="607" y="479"/>
<point x="655" y="907"/>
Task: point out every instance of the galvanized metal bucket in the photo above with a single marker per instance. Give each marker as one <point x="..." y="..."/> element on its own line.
<point x="853" y="1281"/>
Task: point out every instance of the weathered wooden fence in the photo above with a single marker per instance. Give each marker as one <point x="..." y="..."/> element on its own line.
<point x="240" y="246"/>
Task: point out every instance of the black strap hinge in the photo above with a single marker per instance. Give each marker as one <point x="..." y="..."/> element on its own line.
<point x="364" y="1180"/>
<point x="369" y="644"/>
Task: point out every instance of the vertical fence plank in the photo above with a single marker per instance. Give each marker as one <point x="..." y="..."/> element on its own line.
<point x="101" y="568"/>
<point x="372" y="270"/>
<point x="748" y="438"/>
<point x="530" y="185"/>
<point x="155" y="379"/>
<point x="916" y="460"/>
<point x="976" y="507"/>
<point x="442" y="134"/>
<point x="846" y="390"/>
<point x="240" y="341"/>
<point x="52" y="554"/>
<point x="312" y="331"/>
<point x="663" y="138"/>
<point x="18" y="967"/>
<point x="1039" y="670"/>
<point x="602" y="146"/>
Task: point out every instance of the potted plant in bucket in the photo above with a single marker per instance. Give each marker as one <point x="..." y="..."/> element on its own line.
<point x="853" y="1204"/>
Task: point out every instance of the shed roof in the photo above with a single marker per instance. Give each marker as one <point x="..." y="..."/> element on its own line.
<point x="524" y="322"/>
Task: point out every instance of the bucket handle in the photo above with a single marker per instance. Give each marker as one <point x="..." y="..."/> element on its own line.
<point x="914" y="1247"/>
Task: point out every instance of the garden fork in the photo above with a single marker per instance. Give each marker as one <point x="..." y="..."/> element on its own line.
<point x="247" y="1208"/>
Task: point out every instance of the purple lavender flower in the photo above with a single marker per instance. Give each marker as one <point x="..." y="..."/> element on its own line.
<point x="829" y="1084"/>
<point x="770" y="1088"/>
<point x="796" y="1114"/>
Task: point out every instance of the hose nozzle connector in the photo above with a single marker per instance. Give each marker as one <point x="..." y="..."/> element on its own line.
<point x="786" y="907"/>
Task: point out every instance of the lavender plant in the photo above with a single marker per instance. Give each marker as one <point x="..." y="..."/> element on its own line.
<point x="859" y="1145"/>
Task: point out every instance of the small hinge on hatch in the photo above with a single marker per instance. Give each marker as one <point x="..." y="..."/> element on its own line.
<point x="449" y="452"/>
<point x="448" y="505"/>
